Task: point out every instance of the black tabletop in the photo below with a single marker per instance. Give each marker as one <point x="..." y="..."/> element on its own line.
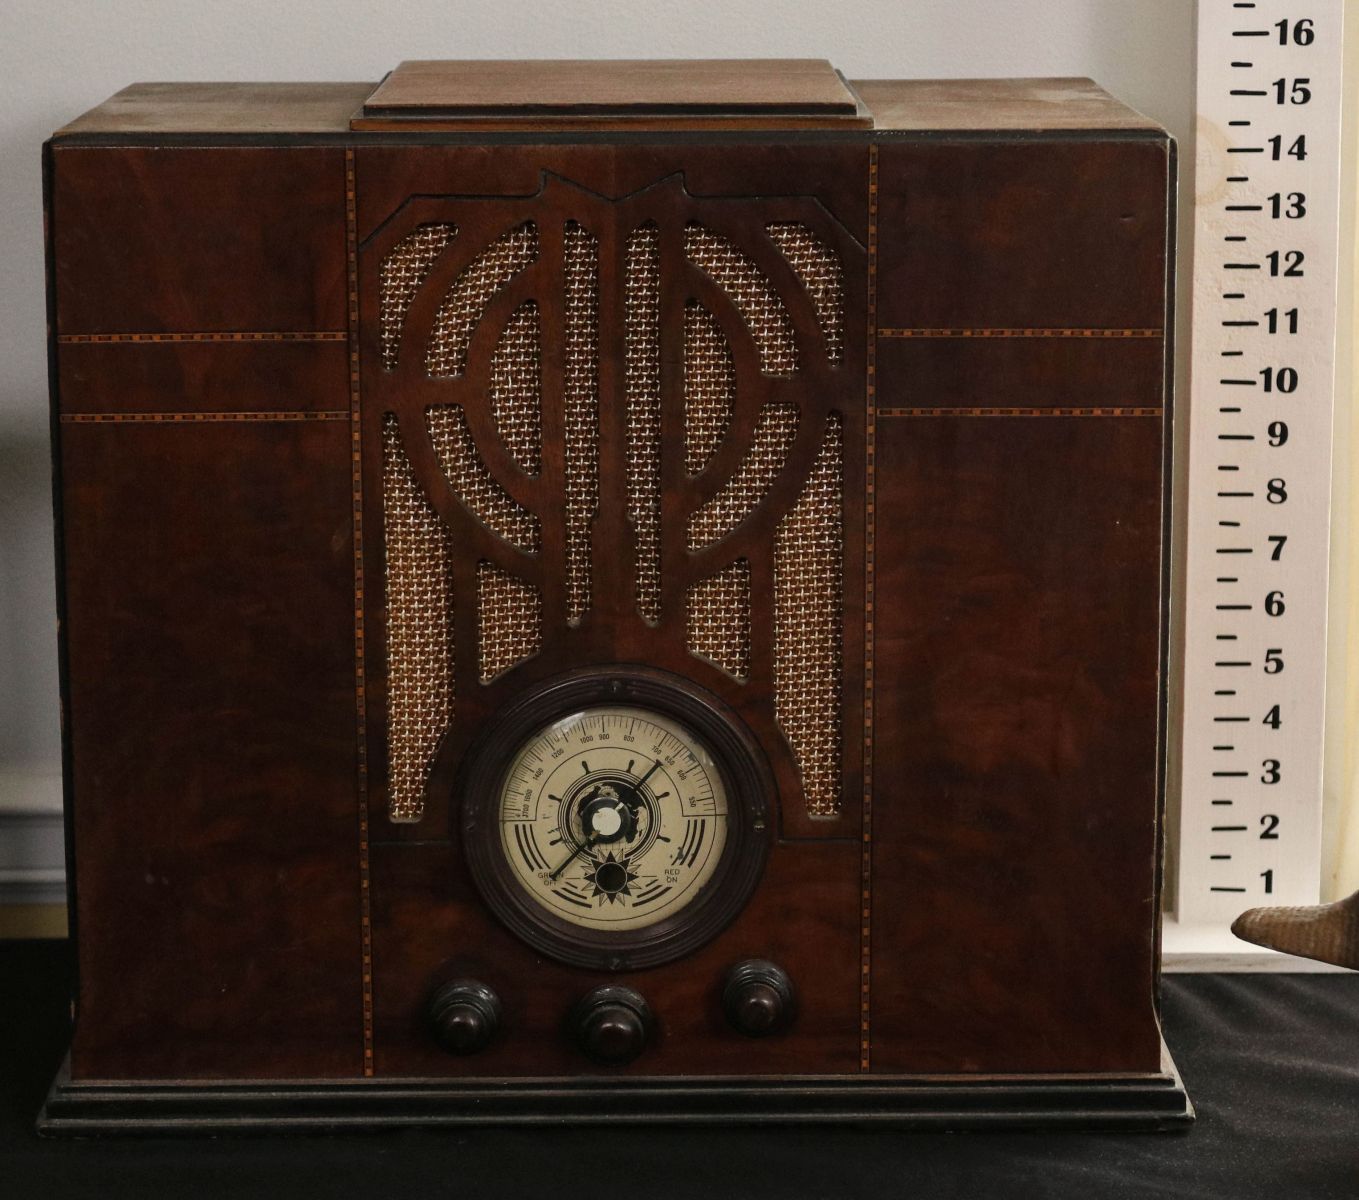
<point x="1271" y="1062"/>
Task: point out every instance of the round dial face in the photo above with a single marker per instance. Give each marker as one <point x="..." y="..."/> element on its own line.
<point x="614" y="817"/>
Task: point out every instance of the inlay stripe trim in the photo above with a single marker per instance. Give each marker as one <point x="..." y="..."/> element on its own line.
<point x="1020" y="412"/>
<point x="184" y="418"/>
<point x="360" y="672"/>
<point x="870" y="527"/>
<point x="101" y="339"/>
<point x="1056" y="332"/>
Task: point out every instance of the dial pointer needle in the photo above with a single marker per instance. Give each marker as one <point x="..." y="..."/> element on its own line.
<point x="585" y="845"/>
<point x="635" y="789"/>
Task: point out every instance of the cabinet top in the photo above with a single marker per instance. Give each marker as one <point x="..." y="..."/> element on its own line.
<point x="560" y="97"/>
<point x="638" y="89"/>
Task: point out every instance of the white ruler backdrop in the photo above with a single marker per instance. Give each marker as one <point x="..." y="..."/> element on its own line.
<point x="1266" y="241"/>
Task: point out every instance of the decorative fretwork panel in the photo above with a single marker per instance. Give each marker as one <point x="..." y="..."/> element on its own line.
<point x="752" y="293"/>
<point x="621" y="429"/>
<point x="709" y="386"/>
<point x="743" y="492"/>
<point x="446" y="356"/>
<point x="822" y="274"/>
<point x="473" y="484"/>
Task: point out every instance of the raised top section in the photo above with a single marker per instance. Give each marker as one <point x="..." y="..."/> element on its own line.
<point x="631" y="88"/>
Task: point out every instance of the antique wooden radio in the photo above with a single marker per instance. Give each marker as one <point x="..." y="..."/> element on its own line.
<point x="612" y="591"/>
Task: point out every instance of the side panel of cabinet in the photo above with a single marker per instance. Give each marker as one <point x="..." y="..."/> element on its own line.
<point x="1020" y="416"/>
<point x="205" y="521"/>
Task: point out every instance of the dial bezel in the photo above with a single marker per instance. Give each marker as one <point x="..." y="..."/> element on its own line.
<point x="738" y="759"/>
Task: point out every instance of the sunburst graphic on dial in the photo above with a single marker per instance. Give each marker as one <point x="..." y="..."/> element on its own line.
<point x="612" y="879"/>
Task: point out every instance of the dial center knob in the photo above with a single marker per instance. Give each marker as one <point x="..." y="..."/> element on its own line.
<point x="605" y="822"/>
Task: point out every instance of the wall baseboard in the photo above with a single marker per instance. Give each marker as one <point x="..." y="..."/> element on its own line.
<point x="32" y="842"/>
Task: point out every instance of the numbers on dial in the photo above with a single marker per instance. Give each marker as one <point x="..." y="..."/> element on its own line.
<point x="613" y="817"/>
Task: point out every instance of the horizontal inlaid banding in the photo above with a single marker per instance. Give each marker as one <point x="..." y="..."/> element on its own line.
<point x="319" y="335"/>
<point x="1053" y="332"/>
<point x="1019" y="412"/>
<point x="183" y="418"/>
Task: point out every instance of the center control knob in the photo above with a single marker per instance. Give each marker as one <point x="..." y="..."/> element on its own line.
<point x="612" y="1025"/>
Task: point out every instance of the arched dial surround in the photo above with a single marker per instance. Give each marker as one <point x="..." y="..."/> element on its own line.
<point x="617" y="819"/>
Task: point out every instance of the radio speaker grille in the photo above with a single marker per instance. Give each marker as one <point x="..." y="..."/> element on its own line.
<point x="719" y="619"/>
<point x="419" y="629"/>
<point x="805" y="545"/>
<point x="516" y="388"/>
<point x="581" y="411"/>
<point x="809" y="624"/>
<point x="709" y="386"/>
<point x="461" y="309"/>
<point x="738" y="498"/>
<point x="820" y="272"/>
<point x="751" y="292"/>
<point x="400" y="277"/>
<point x="642" y="341"/>
<point x="509" y="620"/>
<point x="473" y="484"/>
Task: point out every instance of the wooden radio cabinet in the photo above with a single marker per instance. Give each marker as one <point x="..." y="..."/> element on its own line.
<point x="612" y="591"/>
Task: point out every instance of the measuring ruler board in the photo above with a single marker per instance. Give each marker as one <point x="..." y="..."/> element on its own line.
<point x="1263" y="374"/>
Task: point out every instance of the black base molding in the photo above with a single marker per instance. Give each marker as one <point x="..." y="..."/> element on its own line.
<point x="1126" y="1102"/>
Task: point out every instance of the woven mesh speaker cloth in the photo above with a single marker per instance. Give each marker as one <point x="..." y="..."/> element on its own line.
<point x="719" y="618"/>
<point x="516" y="388"/>
<point x="642" y="350"/>
<point x="818" y="267"/>
<point x="467" y="299"/>
<point x="509" y="620"/>
<point x="774" y="434"/>
<point x="418" y="553"/>
<point x="709" y="386"/>
<point x="809" y="623"/>
<point x="755" y="299"/>
<point x="500" y="595"/>
<point x="581" y="411"/>
<point x="399" y="278"/>
<point x="473" y="484"/>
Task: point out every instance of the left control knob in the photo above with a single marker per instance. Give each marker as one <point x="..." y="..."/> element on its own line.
<point x="464" y="1016"/>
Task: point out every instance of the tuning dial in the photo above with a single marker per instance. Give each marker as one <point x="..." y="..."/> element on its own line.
<point x="757" y="997"/>
<point x="612" y="1025"/>
<point x="463" y="1016"/>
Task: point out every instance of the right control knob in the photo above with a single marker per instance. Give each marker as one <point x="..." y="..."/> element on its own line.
<point x="757" y="997"/>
